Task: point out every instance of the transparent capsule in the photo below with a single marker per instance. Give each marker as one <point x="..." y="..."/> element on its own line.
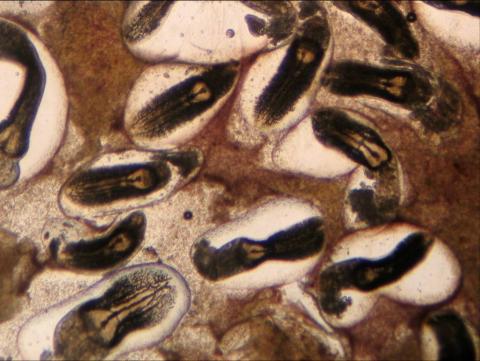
<point x="274" y="244"/>
<point x="206" y="32"/>
<point x="119" y="181"/>
<point x="398" y="261"/>
<point x="387" y="20"/>
<point x="131" y="309"/>
<point x="170" y="103"/>
<point x="446" y="336"/>
<point x="452" y="22"/>
<point x="280" y="85"/>
<point x="105" y="250"/>
<point x="34" y="104"/>
<point x="431" y="100"/>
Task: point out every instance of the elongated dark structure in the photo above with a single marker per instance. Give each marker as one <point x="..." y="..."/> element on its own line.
<point x="102" y="185"/>
<point x="367" y="275"/>
<point x="138" y="300"/>
<point x="453" y="338"/>
<point x="15" y="130"/>
<point x="359" y="142"/>
<point x="107" y="184"/>
<point x="146" y="20"/>
<point x="399" y="85"/>
<point x="385" y="18"/>
<point x="295" y="73"/>
<point x="301" y="240"/>
<point x="431" y="99"/>
<point x="103" y="252"/>
<point x="185" y="101"/>
<point x="471" y="7"/>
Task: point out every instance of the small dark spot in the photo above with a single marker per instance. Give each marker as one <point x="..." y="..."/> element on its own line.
<point x="187" y="215"/>
<point x="256" y="26"/>
<point x="46" y="235"/>
<point x="230" y="33"/>
<point x="411" y="17"/>
<point x="53" y="247"/>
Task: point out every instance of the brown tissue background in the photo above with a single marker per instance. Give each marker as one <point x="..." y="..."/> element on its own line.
<point x="85" y="40"/>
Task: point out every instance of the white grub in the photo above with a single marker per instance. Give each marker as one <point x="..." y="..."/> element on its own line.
<point x="38" y="335"/>
<point x="267" y="72"/>
<point x="433" y="279"/>
<point x="455" y="28"/>
<point x="49" y="124"/>
<point x="374" y="197"/>
<point x="176" y="168"/>
<point x="201" y="32"/>
<point x="300" y="152"/>
<point x="258" y="225"/>
<point x="156" y="81"/>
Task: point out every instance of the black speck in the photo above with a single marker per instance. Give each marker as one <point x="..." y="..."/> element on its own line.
<point x="187" y="215"/>
<point x="256" y="26"/>
<point x="411" y="17"/>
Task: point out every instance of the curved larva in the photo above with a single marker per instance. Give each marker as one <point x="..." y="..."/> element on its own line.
<point x="276" y="243"/>
<point x="171" y="103"/>
<point x="418" y="270"/>
<point x="102" y="250"/>
<point x="119" y="181"/>
<point x="204" y="32"/>
<point x="39" y="137"/>
<point x="131" y="309"/>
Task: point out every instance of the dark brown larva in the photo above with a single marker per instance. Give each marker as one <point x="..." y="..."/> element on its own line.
<point x="185" y="101"/>
<point x="240" y="254"/>
<point x="106" y="251"/>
